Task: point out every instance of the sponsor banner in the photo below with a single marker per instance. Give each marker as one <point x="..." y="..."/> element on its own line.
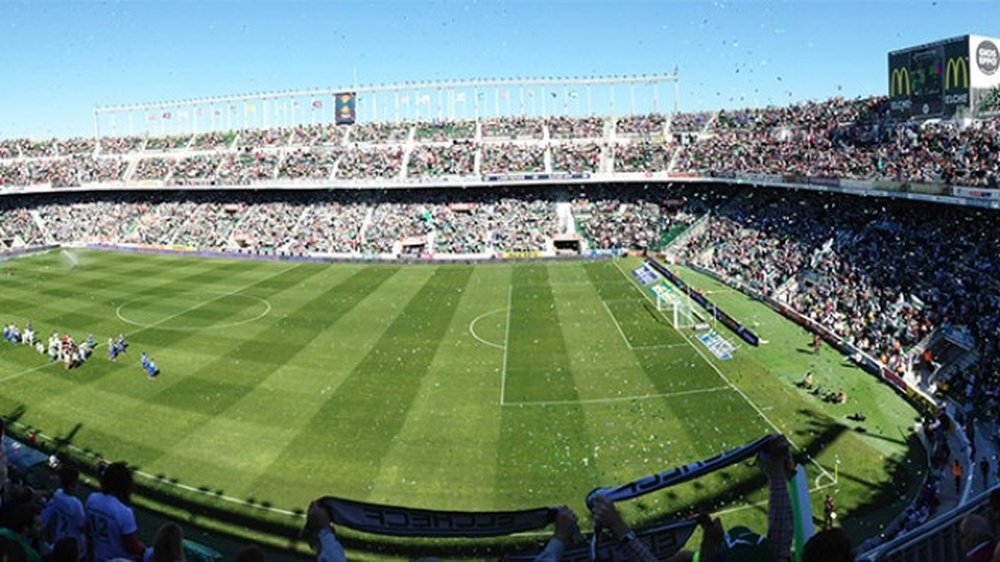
<point x="645" y="275"/>
<point x="760" y="178"/>
<point x="830" y="182"/>
<point x="929" y="188"/>
<point x="984" y="61"/>
<point x="683" y="175"/>
<point x="345" y="108"/>
<point x="889" y="185"/>
<point x="976" y="193"/>
<point x="521" y="255"/>
<point x="793" y="178"/>
<point x="536" y="177"/>
<point x="856" y="184"/>
<point x="717" y="344"/>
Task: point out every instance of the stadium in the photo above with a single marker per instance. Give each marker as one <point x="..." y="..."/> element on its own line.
<point x="489" y="297"/>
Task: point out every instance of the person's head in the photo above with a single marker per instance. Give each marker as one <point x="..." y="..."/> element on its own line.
<point x="250" y="553"/>
<point x="832" y="545"/>
<point x="168" y="546"/>
<point x="66" y="550"/>
<point x="116" y="480"/>
<point x="69" y="476"/>
<point x="974" y="530"/>
<point x="25" y="520"/>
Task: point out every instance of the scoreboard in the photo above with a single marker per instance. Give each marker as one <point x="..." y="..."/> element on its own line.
<point x="938" y="80"/>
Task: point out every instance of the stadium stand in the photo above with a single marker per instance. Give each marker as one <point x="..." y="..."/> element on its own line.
<point x="915" y="285"/>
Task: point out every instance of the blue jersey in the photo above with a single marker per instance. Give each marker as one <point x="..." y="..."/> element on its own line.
<point x="64" y="516"/>
<point x="110" y="522"/>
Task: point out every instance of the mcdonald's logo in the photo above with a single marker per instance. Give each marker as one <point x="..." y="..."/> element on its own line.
<point x="957" y="67"/>
<point x="899" y="82"/>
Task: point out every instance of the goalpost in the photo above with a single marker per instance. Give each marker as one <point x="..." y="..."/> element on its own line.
<point x="678" y="307"/>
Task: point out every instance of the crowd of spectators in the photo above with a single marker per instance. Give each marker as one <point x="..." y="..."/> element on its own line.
<point x="834" y="138"/>
<point x="379" y="132"/>
<point x="308" y="163"/>
<point x="513" y="128"/>
<point x="173" y="142"/>
<point x="248" y="166"/>
<point x="444" y="130"/>
<point x="642" y="157"/>
<point x="213" y="141"/>
<point x="576" y="157"/>
<point x="689" y="122"/>
<point x="371" y="163"/>
<point x="648" y="126"/>
<point x="575" y="127"/>
<point x="458" y="158"/>
<point x="152" y="169"/>
<point x="504" y="158"/>
<point x="881" y="275"/>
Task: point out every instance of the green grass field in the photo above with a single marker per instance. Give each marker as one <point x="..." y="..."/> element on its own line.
<point x="477" y="387"/>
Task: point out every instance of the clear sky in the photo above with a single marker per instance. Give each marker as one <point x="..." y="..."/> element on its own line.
<point x="58" y="59"/>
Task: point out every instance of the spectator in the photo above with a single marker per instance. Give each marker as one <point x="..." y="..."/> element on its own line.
<point x="63" y="516"/>
<point x="830" y="545"/>
<point x="976" y="539"/>
<point x="328" y="548"/>
<point x="22" y="526"/>
<point x="168" y="545"/>
<point x="250" y="553"/>
<point x="566" y="528"/>
<point x="110" y="521"/>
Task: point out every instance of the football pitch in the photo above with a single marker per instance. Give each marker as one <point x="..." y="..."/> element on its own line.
<point x="472" y="387"/>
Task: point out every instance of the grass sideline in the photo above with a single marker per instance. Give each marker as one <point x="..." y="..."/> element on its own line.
<point x="494" y="386"/>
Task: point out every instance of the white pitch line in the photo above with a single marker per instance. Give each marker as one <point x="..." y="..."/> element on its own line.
<point x="154" y="324"/>
<point x="815" y="489"/>
<point x="617" y="398"/>
<point x="472" y="328"/>
<point x="506" y="341"/>
<point x="617" y="325"/>
<point x="728" y="382"/>
<point x="178" y="485"/>
<point x="659" y="346"/>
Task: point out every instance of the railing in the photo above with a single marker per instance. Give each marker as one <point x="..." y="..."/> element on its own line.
<point x="934" y="541"/>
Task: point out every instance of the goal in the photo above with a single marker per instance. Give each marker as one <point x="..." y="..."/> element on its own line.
<point x="668" y="302"/>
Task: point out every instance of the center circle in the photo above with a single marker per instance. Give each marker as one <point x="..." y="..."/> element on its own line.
<point x="198" y="311"/>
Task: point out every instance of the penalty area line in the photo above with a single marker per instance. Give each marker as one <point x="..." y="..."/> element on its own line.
<point x="621" y="332"/>
<point x="824" y="471"/>
<point x="587" y="401"/>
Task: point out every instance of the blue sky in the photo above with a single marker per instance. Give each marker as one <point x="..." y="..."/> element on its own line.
<point x="60" y="58"/>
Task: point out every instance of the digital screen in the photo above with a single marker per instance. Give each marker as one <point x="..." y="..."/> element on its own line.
<point x="926" y="72"/>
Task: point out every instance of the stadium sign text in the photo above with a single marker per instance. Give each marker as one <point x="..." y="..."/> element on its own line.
<point x="987" y="57"/>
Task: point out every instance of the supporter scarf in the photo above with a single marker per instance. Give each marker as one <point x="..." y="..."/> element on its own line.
<point x="410" y="522"/>
<point x="669" y="478"/>
<point x="679" y="474"/>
